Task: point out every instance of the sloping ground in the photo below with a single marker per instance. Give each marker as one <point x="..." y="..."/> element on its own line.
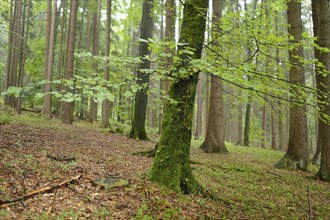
<point x="240" y="185"/>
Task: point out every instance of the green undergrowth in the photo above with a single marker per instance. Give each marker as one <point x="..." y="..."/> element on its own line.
<point x="247" y="183"/>
<point x="242" y="184"/>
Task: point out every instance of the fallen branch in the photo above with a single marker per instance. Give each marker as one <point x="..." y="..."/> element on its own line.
<point x="7" y="203"/>
<point x="61" y="158"/>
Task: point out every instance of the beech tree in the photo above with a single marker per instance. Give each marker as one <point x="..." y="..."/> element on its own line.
<point x="169" y="37"/>
<point x="138" y="130"/>
<point x="50" y="41"/>
<point x="93" y="105"/>
<point x="14" y="49"/>
<point x="106" y="102"/>
<point x="171" y="165"/>
<point x="214" y="139"/>
<point x="297" y="155"/>
<point x="67" y="107"/>
<point x="321" y="27"/>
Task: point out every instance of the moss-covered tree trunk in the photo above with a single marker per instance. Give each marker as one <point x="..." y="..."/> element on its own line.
<point x="171" y="166"/>
<point x="297" y="155"/>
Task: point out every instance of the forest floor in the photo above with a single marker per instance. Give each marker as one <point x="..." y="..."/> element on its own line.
<point x="242" y="184"/>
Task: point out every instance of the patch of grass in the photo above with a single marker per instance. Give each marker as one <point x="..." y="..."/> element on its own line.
<point x="247" y="182"/>
<point x="3" y="213"/>
<point x="101" y="213"/>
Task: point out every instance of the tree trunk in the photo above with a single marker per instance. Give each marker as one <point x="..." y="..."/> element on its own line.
<point x="14" y="51"/>
<point x="67" y="107"/>
<point x="247" y="125"/>
<point x="273" y="131"/>
<point x="47" y="110"/>
<point x="171" y="166"/>
<point x="199" y="112"/>
<point x="264" y="127"/>
<point x="321" y="21"/>
<point x="138" y="130"/>
<point x="24" y="33"/>
<point x="215" y="137"/>
<point x="239" y="140"/>
<point x="61" y="55"/>
<point x="297" y="155"/>
<point x="169" y="36"/>
<point x="106" y="102"/>
<point x="93" y="105"/>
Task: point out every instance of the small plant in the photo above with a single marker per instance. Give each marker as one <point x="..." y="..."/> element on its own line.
<point x="3" y="213"/>
<point x="68" y="165"/>
<point x="68" y="215"/>
<point x="102" y="212"/>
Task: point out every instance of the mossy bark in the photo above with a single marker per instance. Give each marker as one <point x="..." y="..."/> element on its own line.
<point x="171" y="167"/>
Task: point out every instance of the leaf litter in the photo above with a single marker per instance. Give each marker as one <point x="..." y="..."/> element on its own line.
<point x="26" y="167"/>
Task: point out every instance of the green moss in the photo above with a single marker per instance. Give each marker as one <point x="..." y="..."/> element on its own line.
<point x="171" y="166"/>
<point x="288" y="163"/>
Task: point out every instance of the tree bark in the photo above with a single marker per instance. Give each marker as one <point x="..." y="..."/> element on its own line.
<point x="297" y="155"/>
<point x="321" y="21"/>
<point x="14" y="51"/>
<point x="61" y="55"/>
<point x="106" y="102"/>
<point x="138" y="130"/>
<point x="171" y="166"/>
<point x="215" y="137"/>
<point x="24" y="33"/>
<point x="273" y="131"/>
<point x="247" y="125"/>
<point x="239" y="140"/>
<point x="264" y="127"/>
<point x="199" y="112"/>
<point x="93" y="105"/>
<point x="47" y="110"/>
<point x="169" y="37"/>
<point x="67" y="107"/>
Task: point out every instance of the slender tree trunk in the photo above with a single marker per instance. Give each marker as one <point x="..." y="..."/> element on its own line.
<point x="93" y="105"/>
<point x="215" y="132"/>
<point x="273" y="131"/>
<point x="138" y="130"/>
<point x="171" y="166"/>
<point x="169" y="36"/>
<point x="106" y="102"/>
<point x="239" y="140"/>
<point x="321" y="21"/>
<point x="247" y="125"/>
<point x="200" y="102"/>
<point x="264" y="127"/>
<point x="297" y="155"/>
<point x="24" y="34"/>
<point x="15" y="47"/>
<point x="61" y="55"/>
<point x="67" y="107"/>
<point x="47" y="110"/>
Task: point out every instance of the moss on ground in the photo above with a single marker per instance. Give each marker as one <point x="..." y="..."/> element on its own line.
<point x="243" y="184"/>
